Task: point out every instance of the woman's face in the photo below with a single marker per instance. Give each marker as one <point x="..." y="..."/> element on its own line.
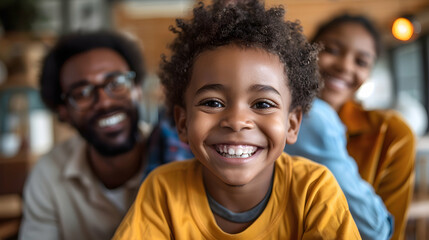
<point x="346" y="61"/>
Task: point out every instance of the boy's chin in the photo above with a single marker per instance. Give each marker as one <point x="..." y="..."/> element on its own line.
<point x="237" y="180"/>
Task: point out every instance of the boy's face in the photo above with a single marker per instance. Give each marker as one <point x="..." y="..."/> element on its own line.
<point x="237" y="119"/>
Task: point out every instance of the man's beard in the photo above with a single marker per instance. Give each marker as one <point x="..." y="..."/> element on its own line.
<point x="104" y="148"/>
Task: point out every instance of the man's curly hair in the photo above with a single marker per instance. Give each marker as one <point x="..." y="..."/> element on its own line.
<point x="246" y="24"/>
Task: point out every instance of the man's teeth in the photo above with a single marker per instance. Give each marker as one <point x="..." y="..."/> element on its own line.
<point x="112" y="120"/>
<point x="236" y="151"/>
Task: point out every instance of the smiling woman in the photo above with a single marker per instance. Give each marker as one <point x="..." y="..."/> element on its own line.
<point x="381" y="143"/>
<point x="380" y="146"/>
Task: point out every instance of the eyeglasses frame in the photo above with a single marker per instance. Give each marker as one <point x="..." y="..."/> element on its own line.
<point x="65" y="97"/>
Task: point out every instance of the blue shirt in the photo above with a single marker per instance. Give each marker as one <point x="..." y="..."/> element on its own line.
<point x="164" y="145"/>
<point x="322" y="139"/>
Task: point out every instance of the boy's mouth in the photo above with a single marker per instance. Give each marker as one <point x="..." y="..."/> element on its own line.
<point x="235" y="151"/>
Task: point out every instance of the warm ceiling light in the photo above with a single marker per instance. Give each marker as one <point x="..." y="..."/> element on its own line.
<point x="402" y="29"/>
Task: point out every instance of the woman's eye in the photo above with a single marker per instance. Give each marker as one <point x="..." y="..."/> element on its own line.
<point x="264" y="104"/>
<point x="331" y="50"/>
<point x="211" y="103"/>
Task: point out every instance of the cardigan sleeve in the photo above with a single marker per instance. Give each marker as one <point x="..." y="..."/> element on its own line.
<point x="396" y="185"/>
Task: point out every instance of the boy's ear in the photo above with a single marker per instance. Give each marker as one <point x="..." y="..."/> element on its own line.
<point x="180" y="120"/>
<point x="294" y="118"/>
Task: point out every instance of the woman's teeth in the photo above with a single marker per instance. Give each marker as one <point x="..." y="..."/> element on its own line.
<point x="236" y="151"/>
<point x="112" y="120"/>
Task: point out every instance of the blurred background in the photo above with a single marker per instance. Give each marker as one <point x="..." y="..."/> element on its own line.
<point x="28" y="28"/>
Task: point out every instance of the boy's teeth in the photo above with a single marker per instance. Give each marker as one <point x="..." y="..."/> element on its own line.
<point x="237" y="151"/>
<point x="112" y="120"/>
<point x="231" y="151"/>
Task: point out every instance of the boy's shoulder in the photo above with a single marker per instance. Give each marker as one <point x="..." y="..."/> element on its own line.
<point x="303" y="172"/>
<point x="175" y="166"/>
<point x="173" y="171"/>
<point x="299" y="165"/>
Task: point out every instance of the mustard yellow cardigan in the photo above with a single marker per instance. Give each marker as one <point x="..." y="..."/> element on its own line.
<point x="384" y="148"/>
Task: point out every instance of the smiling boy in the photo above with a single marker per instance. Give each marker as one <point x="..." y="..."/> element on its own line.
<point x="239" y="79"/>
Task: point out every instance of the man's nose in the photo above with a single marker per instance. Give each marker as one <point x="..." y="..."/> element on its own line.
<point x="102" y="99"/>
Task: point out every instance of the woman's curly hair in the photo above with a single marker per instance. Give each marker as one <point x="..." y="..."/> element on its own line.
<point x="246" y="24"/>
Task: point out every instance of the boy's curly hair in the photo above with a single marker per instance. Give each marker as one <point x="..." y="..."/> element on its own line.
<point x="246" y="24"/>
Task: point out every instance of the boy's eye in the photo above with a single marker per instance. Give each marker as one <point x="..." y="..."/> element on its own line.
<point x="264" y="104"/>
<point x="212" y="103"/>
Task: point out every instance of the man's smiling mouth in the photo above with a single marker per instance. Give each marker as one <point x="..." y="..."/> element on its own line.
<point x="235" y="151"/>
<point x="111" y="120"/>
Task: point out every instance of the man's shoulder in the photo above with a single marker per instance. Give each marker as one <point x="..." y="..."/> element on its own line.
<point x="53" y="161"/>
<point x="71" y="145"/>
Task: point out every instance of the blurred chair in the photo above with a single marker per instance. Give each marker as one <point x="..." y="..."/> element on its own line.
<point x="418" y="214"/>
<point x="14" y="160"/>
<point x="13" y="172"/>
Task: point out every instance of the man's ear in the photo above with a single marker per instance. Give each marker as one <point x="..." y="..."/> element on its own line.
<point x="294" y="118"/>
<point x="180" y="119"/>
<point x="137" y="94"/>
<point x="63" y="114"/>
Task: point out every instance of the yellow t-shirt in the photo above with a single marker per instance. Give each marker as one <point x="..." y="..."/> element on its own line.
<point x="306" y="203"/>
<point x="383" y="147"/>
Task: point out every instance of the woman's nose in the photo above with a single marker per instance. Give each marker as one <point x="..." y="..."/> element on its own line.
<point x="345" y="63"/>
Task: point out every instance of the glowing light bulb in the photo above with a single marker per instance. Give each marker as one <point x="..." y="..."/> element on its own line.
<point x="402" y="29"/>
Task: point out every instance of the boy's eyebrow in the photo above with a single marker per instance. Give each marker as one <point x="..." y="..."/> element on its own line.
<point x="219" y="87"/>
<point x="209" y="87"/>
<point x="263" y="88"/>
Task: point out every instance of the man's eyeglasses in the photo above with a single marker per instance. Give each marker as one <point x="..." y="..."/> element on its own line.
<point x="116" y="85"/>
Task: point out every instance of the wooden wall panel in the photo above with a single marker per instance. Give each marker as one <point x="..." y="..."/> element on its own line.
<point x="311" y="13"/>
<point x="154" y="35"/>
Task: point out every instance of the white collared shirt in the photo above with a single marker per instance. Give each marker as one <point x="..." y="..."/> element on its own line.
<point x="63" y="199"/>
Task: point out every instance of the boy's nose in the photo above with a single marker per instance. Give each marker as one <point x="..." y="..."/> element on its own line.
<point x="237" y="119"/>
